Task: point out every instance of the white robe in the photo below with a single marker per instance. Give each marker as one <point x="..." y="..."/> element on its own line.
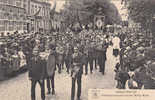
<point x="116" y="43"/>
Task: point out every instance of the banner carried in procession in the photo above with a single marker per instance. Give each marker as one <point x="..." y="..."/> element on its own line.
<point x="99" y="22"/>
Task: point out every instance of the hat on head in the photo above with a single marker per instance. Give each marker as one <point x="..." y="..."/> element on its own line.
<point x="35" y="50"/>
<point x="75" y="48"/>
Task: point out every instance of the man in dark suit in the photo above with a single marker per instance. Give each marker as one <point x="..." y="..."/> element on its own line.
<point x="102" y="57"/>
<point x="68" y="55"/>
<point x="50" y="70"/>
<point x="37" y="74"/>
<point x="76" y="72"/>
<point x="90" y="58"/>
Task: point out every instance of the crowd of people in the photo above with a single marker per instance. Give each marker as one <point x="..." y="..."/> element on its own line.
<point x="135" y="69"/>
<point x="67" y="49"/>
<point x="45" y="53"/>
<point x="15" y="48"/>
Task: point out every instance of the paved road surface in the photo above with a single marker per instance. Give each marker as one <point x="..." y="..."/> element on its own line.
<point x="18" y="88"/>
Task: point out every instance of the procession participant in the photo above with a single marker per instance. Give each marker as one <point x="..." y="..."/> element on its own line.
<point x="59" y="57"/>
<point x="63" y="42"/>
<point x="15" y="61"/>
<point x="116" y="45"/>
<point x="76" y="72"/>
<point x="42" y="43"/>
<point x="27" y="50"/>
<point x="102" y="56"/>
<point x="90" y="56"/>
<point x="105" y="46"/>
<point x="95" y="55"/>
<point x="109" y="32"/>
<point x="51" y="66"/>
<point x="37" y="74"/>
<point x="22" y="57"/>
<point x="86" y="57"/>
<point x="68" y="57"/>
<point x="80" y="46"/>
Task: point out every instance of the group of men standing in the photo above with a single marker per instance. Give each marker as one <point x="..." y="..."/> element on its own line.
<point x="42" y="69"/>
<point x="76" y="56"/>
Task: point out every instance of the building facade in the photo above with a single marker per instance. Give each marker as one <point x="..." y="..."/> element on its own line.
<point x="40" y="12"/>
<point x="57" y="23"/>
<point x="13" y="15"/>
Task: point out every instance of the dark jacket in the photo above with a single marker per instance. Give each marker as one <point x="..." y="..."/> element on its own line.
<point x="37" y="70"/>
<point x="77" y="63"/>
<point x="51" y="64"/>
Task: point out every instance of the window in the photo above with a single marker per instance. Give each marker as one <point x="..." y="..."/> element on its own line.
<point x="36" y="9"/>
<point x="3" y="1"/>
<point x="24" y="6"/>
<point x="2" y="28"/>
<point x="1" y="22"/>
<point x="40" y="13"/>
<point x="10" y="26"/>
<point x="3" y="8"/>
<point x="21" y="26"/>
<point x="18" y="3"/>
<point x="47" y="12"/>
<point x="43" y="11"/>
<point x="25" y="26"/>
<point x="32" y="9"/>
<point x="10" y="2"/>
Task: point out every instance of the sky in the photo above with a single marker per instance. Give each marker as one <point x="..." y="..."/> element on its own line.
<point x="123" y="12"/>
<point x="60" y="4"/>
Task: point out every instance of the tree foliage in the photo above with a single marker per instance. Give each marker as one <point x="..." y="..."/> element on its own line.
<point x="141" y="11"/>
<point x="83" y="11"/>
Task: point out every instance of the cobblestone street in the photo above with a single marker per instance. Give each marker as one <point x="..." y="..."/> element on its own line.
<point x="18" y="88"/>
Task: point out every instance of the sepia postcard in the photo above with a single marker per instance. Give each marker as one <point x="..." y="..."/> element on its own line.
<point x="77" y="49"/>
